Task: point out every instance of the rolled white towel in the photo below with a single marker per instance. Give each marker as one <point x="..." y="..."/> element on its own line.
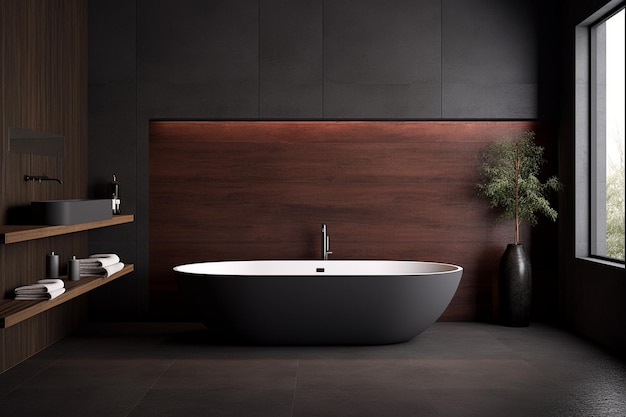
<point x="92" y="269"/>
<point x="41" y="296"/>
<point x="42" y="286"/>
<point x="99" y="260"/>
<point x="105" y="271"/>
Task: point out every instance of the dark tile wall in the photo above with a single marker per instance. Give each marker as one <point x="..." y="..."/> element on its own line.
<point x="291" y="66"/>
<point x="592" y="293"/>
<point x="296" y="59"/>
<point x="490" y="59"/>
<point x="382" y="59"/>
<point x="113" y="142"/>
<point x="197" y="58"/>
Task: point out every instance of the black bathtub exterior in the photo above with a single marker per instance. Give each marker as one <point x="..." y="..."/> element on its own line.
<point x="318" y="310"/>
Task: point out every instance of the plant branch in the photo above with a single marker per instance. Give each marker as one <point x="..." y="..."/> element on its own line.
<point x="511" y="181"/>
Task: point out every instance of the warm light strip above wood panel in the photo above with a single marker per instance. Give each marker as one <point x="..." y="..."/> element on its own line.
<point x="323" y="131"/>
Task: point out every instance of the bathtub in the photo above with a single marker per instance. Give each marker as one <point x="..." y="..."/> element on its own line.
<point x="340" y="302"/>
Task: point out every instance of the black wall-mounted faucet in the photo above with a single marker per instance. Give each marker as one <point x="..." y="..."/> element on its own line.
<point x="41" y="178"/>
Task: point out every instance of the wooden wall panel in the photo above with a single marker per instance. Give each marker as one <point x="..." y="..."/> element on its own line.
<point x="43" y="87"/>
<point x="386" y="190"/>
<point x="35" y="334"/>
<point x="25" y="262"/>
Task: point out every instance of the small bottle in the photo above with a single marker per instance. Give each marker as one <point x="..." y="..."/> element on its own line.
<point x="73" y="269"/>
<point x="52" y="265"/>
<point x="114" y="192"/>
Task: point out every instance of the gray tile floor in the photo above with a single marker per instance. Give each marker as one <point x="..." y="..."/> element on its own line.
<point x="452" y="369"/>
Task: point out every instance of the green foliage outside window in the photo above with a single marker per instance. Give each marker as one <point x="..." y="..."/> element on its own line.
<point x="615" y="211"/>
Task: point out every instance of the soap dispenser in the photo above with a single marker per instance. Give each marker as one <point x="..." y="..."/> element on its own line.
<point x="52" y="265"/>
<point x="73" y="269"/>
<point x="114" y="192"/>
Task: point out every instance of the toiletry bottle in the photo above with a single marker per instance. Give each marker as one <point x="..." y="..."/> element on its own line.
<point x="52" y="265"/>
<point x="114" y="192"/>
<point x="73" y="269"/>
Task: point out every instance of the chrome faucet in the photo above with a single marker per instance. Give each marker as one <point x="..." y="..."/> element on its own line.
<point x="325" y="243"/>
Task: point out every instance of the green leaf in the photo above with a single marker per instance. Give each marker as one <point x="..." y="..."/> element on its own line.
<point x="500" y="173"/>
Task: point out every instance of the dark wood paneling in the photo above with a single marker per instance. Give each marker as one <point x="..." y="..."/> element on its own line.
<point x="3" y="128"/>
<point x="386" y="190"/>
<point x="33" y="335"/>
<point x="44" y="88"/>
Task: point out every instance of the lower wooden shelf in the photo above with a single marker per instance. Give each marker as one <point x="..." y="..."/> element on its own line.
<point x="15" y="311"/>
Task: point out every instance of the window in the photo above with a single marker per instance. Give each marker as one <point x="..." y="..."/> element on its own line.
<point x="607" y="137"/>
<point x="600" y="136"/>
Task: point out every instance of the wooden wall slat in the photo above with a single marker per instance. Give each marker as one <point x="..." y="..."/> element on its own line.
<point x="43" y="64"/>
<point x="387" y="190"/>
<point x="35" y="334"/>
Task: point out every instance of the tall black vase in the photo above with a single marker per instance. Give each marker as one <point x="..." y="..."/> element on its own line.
<point x="515" y="287"/>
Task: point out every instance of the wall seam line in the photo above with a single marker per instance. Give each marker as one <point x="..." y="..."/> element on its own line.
<point x="323" y="63"/>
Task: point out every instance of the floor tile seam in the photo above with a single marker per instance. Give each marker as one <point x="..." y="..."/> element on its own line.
<point x="147" y="390"/>
<point x="295" y="389"/>
<point x="25" y="382"/>
<point x="422" y="363"/>
<point x="548" y="376"/>
<point x="225" y="390"/>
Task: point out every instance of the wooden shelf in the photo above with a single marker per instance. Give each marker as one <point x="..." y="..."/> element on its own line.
<point x="19" y="233"/>
<point x="14" y="311"/>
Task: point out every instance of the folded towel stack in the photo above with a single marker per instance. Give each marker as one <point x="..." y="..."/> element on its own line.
<point x="44" y="289"/>
<point x="103" y="265"/>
